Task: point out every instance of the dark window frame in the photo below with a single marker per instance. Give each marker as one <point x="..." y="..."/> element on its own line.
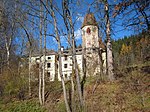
<point x="65" y="57"/>
<point x="48" y="74"/>
<point x="66" y="76"/>
<point x="88" y="31"/>
<point x="48" y="65"/>
<point x="48" y="57"/>
<point x="65" y="65"/>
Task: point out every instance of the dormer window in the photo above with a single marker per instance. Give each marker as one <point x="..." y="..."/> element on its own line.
<point x="88" y="31"/>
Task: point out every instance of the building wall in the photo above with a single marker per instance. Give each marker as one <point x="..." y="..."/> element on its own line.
<point x="67" y="66"/>
<point x="90" y="42"/>
<point x="90" y="36"/>
<point x="49" y="67"/>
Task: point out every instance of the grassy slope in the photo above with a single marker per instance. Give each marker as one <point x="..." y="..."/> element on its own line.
<point x="21" y="106"/>
<point x="129" y="93"/>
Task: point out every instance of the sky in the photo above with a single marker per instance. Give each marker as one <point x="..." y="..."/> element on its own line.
<point x="78" y="11"/>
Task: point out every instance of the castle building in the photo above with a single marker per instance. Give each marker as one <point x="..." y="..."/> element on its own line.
<point x="89" y="56"/>
<point x="93" y="48"/>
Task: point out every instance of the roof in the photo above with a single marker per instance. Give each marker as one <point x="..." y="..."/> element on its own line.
<point x="48" y="52"/>
<point x="101" y="44"/>
<point x="89" y="19"/>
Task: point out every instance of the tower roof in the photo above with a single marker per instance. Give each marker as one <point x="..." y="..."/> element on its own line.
<point x="89" y="19"/>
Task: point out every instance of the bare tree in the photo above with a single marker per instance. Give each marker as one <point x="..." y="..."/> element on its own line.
<point x="71" y="38"/>
<point x="138" y="11"/>
<point x="30" y="55"/>
<point x="52" y="13"/>
<point x="8" y="27"/>
<point x="40" y="64"/>
<point x="110" y="68"/>
<point x="44" y="56"/>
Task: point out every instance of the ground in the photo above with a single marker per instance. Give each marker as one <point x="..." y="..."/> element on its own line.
<point x="128" y="93"/>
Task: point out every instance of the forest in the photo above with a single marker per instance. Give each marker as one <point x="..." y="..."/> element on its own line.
<point x="31" y="27"/>
<point x="132" y="50"/>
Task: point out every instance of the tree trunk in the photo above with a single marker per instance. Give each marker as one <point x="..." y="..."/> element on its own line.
<point x="44" y="60"/>
<point x="110" y="68"/>
<point x="40" y="64"/>
<point x="30" y="53"/>
<point x="7" y="45"/>
<point x="70" y="31"/>
<point x="101" y="64"/>
<point x="59" y="54"/>
<point x="75" y="65"/>
<point x="77" y="74"/>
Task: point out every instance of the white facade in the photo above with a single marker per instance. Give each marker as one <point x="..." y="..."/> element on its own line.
<point x="90" y="42"/>
<point x="67" y="66"/>
<point x="50" y="66"/>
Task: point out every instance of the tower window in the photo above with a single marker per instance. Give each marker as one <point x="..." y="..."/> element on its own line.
<point x="88" y="31"/>
<point x="49" y="57"/>
<point x="48" y="65"/>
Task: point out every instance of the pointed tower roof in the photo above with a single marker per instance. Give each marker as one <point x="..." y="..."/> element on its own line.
<point x="89" y="19"/>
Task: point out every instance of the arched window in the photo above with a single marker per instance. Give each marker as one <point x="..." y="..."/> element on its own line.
<point x="88" y="31"/>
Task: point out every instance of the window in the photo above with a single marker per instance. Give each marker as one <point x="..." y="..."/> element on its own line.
<point x="70" y="76"/>
<point x="65" y="65"/>
<point x="66" y="76"/>
<point x="65" y="57"/>
<point x="48" y="74"/>
<point x="48" y="65"/>
<point x="37" y="59"/>
<point x="88" y="31"/>
<point x="94" y="49"/>
<point x="49" y="57"/>
<point x="37" y="65"/>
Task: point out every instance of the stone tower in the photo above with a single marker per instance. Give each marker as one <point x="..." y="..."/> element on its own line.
<point x="90" y="45"/>
<point x="90" y="32"/>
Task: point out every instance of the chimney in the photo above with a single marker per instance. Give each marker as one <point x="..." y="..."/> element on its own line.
<point x="62" y="48"/>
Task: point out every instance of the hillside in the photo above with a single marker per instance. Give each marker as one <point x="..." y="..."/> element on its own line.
<point x="130" y="92"/>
